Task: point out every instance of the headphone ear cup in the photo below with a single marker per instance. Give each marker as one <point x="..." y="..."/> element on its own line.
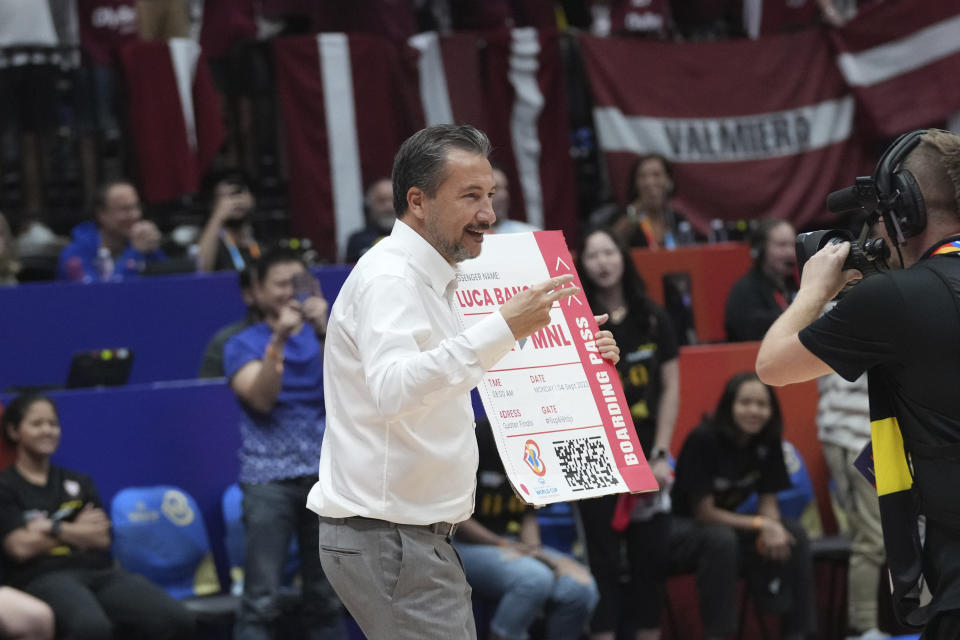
<point x="910" y="209"/>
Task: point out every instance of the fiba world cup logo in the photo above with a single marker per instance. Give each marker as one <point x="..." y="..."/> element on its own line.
<point x="531" y="455"/>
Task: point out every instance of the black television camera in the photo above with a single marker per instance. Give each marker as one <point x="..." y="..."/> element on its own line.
<point x="867" y="256"/>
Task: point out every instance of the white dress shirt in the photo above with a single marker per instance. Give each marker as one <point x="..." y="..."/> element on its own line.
<point x="400" y="443"/>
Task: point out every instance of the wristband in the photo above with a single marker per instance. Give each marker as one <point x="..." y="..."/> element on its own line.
<point x="758" y="522"/>
<point x="273" y="353"/>
<point x="55" y="528"/>
<point x="658" y="453"/>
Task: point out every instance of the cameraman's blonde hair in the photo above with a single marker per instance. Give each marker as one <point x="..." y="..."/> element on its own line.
<point x="947" y="147"/>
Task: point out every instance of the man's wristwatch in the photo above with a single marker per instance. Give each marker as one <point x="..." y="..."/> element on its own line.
<point x="658" y="453"/>
<point x="55" y="528"/>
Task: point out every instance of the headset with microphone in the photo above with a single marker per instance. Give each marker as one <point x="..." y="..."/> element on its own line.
<point x="892" y="194"/>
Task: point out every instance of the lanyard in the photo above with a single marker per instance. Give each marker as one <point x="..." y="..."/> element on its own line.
<point x="780" y="299"/>
<point x="647" y="229"/>
<point x="953" y="246"/>
<point x="235" y="255"/>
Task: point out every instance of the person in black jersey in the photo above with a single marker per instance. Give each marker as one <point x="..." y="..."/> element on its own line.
<point x="734" y="453"/>
<point x="650" y="376"/>
<point x="56" y="541"/>
<point x="902" y="327"/>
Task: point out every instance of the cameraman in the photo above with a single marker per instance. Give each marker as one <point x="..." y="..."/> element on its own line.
<point x="903" y="328"/>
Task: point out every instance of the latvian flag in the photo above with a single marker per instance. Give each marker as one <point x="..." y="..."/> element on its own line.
<point x="754" y="128"/>
<point x="174" y="115"/>
<point x="349" y="101"/>
<point x="902" y="59"/>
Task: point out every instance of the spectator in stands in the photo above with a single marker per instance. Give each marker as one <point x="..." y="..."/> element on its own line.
<point x="105" y="27"/>
<point x="56" y="541"/>
<point x="163" y="19"/>
<point x="649" y="220"/>
<point x="843" y="425"/>
<point x="24" y="617"/>
<point x="28" y="42"/>
<point x="732" y="454"/>
<point x="118" y="245"/>
<point x="504" y="561"/>
<point x="378" y="211"/>
<point x="707" y="20"/>
<point x="778" y="16"/>
<point x="650" y="376"/>
<point x="211" y="365"/>
<point x="759" y="297"/>
<point x="276" y="370"/>
<point x="501" y="207"/>
<point x="227" y="240"/>
<point x="650" y="19"/>
<point x="9" y="266"/>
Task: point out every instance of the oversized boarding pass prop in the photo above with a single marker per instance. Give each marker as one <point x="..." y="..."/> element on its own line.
<point x="556" y="408"/>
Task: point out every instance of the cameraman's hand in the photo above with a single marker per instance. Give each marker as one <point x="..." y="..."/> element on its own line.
<point x="529" y="311"/>
<point x="823" y="275"/>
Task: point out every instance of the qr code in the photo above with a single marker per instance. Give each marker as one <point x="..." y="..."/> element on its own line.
<point x="584" y="463"/>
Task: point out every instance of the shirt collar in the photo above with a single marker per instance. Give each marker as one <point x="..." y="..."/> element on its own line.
<point x="427" y="261"/>
<point x="929" y="252"/>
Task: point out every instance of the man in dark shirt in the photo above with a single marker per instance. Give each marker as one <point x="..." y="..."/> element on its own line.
<point x="759" y="297"/>
<point x="378" y="210"/>
<point x="902" y="328"/>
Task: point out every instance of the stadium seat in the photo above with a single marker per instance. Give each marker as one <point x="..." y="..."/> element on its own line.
<point x="559" y="528"/>
<point x="159" y="533"/>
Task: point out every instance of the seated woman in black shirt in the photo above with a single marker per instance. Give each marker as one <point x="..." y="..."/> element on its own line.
<point x="732" y="454"/>
<point x="56" y="541"/>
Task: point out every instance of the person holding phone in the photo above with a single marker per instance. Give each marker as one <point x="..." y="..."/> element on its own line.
<point x="227" y="241"/>
<point x="649" y="371"/>
<point x="275" y="368"/>
<point x="56" y="541"/>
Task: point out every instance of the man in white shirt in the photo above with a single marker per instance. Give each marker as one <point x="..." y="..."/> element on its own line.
<point x="399" y="457"/>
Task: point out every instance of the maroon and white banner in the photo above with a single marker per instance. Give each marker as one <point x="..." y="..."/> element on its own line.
<point x="754" y="128"/>
<point x="902" y="60"/>
<point x="557" y="410"/>
<point x="174" y="115"/>
<point x="348" y="101"/>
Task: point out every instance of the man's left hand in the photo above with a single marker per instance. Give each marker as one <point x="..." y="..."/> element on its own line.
<point x="663" y="472"/>
<point x="605" y="342"/>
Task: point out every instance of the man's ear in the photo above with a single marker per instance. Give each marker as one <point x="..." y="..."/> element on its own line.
<point x="415" y="201"/>
<point x="12" y="433"/>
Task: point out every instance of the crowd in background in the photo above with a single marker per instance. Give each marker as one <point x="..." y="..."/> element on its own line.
<point x="65" y="128"/>
<point x="72" y="211"/>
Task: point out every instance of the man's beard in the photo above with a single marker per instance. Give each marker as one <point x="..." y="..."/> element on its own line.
<point x="451" y="251"/>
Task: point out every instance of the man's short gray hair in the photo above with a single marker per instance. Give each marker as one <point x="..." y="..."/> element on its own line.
<point x="421" y="160"/>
